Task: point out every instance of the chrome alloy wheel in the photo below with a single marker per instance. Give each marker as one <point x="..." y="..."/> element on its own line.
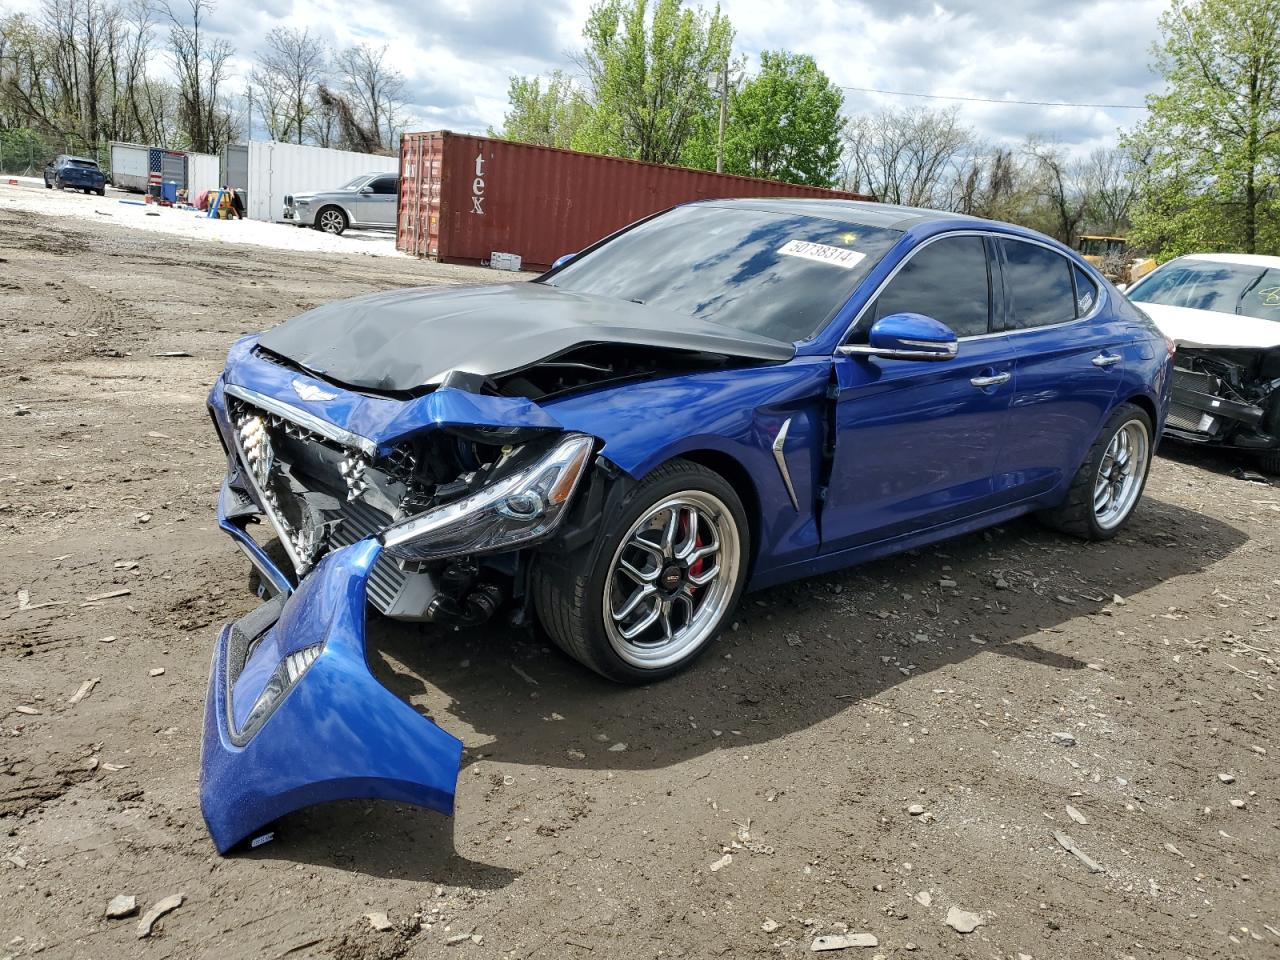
<point x="671" y="580"/>
<point x="1120" y="474"/>
<point x="332" y="221"/>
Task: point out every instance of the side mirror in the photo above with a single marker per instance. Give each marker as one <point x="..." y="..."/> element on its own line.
<point x="365" y="191"/>
<point x="907" y="336"/>
<point x="562" y="260"/>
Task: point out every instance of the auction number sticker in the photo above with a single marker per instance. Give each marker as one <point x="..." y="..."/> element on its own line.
<point x="836" y="256"/>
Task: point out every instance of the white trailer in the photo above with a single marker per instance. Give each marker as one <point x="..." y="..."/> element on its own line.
<point x="275" y="169"/>
<point x="129" y="169"/>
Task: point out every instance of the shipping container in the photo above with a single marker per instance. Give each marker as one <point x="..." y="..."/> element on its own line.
<point x="273" y="169"/>
<point x="234" y="168"/>
<point x="202" y="173"/>
<point x="129" y="166"/>
<point x="167" y="166"/>
<point x="464" y="198"/>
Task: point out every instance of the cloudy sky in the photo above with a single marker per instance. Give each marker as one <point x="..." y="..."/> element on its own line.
<point x="458" y="56"/>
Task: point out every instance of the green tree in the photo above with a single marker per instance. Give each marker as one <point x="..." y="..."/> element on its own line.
<point x="547" y="115"/>
<point x="785" y="123"/>
<point x="1211" y="140"/>
<point x="650" y="79"/>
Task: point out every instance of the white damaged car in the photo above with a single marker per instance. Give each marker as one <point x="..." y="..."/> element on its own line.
<point x="1222" y="311"/>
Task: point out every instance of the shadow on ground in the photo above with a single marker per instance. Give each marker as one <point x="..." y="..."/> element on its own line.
<point x="803" y="653"/>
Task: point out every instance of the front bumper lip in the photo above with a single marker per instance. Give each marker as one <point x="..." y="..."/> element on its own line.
<point x="336" y="734"/>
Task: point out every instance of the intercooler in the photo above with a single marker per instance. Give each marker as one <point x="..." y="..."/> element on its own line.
<point x="261" y="436"/>
<point x="1188" y="418"/>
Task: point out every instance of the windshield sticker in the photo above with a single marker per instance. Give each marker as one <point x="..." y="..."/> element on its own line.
<point x="845" y="259"/>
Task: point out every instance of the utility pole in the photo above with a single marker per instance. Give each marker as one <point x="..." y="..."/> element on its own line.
<point x="724" y="110"/>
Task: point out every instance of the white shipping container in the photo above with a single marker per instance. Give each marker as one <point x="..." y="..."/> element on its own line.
<point x="202" y="174"/>
<point x="276" y="169"/>
<point x="129" y="166"/>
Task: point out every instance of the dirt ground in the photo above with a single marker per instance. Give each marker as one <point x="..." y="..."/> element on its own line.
<point x="945" y="678"/>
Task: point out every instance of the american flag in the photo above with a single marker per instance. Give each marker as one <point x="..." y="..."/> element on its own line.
<point x="155" y="166"/>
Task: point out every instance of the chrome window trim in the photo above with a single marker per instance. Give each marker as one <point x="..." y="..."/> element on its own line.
<point x="985" y="234"/>
<point x="303" y="419"/>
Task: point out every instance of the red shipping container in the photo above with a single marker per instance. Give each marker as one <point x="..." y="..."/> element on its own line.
<point x="463" y="198"/>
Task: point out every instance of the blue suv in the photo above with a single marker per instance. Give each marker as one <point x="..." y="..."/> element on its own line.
<point x="78" y="173"/>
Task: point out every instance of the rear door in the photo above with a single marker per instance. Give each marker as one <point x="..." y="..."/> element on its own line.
<point x="916" y="442"/>
<point x="1069" y="352"/>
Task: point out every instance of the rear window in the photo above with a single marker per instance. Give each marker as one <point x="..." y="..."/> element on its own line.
<point x="777" y="274"/>
<point x="86" y="164"/>
<point x="1038" y="282"/>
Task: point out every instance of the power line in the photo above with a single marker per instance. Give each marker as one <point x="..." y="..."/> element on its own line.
<point x="1030" y="103"/>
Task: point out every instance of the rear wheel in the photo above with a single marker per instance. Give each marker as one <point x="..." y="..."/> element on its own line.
<point x="331" y="220"/>
<point x="1109" y="483"/>
<point x="648" y="596"/>
<point x="1269" y="462"/>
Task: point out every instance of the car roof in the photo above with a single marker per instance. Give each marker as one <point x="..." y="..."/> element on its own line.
<point x="865" y="212"/>
<point x="1244" y="259"/>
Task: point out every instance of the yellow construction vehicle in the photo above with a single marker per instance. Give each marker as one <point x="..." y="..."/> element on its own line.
<point x="1111" y="256"/>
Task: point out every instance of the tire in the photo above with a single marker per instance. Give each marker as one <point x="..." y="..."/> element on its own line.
<point x="47" y="184"/>
<point x="332" y="220"/>
<point x="1080" y="514"/>
<point x="1269" y="462"/>
<point x="580" y="600"/>
<point x="102" y="191"/>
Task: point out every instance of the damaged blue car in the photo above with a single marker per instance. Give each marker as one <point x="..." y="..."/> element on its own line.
<point x="724" y="396"/>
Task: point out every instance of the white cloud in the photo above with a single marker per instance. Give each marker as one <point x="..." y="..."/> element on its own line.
<point x="458" y="57"/>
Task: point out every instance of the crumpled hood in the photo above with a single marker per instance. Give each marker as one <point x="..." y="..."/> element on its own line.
<point x="405" y="339"/>
<point x="1210" y="328"/>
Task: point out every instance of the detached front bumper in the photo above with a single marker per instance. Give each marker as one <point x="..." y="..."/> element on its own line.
<point x="335" y="733"/>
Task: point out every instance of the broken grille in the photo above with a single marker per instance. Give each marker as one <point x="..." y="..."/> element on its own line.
<point x="307" y="531"/>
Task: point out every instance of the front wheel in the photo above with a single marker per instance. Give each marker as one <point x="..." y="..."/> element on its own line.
<point x="648" y="596"/>
<point x="331" y="220"/>
<point x="1110" y="482"/>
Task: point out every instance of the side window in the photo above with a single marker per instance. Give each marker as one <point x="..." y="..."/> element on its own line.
<point x="386" y="185"/>
<point x="1086" y="292"/>
<point x="946" y="280"/>
<point x="1038" y="282"/>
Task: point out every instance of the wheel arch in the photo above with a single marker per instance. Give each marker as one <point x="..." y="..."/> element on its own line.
<point x="333" y="204"/>
<point x="1147" y="406"/>
<point x="737" y="476"/>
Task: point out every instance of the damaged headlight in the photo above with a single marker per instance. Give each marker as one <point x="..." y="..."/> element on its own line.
<point x="519" y="508"/>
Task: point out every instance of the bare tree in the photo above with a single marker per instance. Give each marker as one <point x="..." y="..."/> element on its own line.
<point x="201" y="65"/>
<point x="906" y="156"/>
<point x="285" y="80"/>
<point x="1060" y="187"/>
<point x="373" y="89"/>
<point x="1110" y="181"/>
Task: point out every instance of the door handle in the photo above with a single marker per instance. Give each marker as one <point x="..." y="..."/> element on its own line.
<point x="1105" y="359"/>
<point x="993" y="381"/>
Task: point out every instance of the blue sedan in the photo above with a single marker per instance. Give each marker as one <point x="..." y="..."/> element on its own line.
<point x="725" y="396"/>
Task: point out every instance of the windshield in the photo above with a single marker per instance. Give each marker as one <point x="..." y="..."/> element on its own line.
<point x="767" y="272"/>
<point x="356" y="183"/>
<point x="1238" y="288"/>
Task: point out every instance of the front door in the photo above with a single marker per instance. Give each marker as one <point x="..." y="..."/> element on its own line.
<point x="379" y="207"/>
<point x="916" y="442"/>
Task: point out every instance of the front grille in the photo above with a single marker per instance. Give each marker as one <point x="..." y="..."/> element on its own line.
<point x="260" y="435"/>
